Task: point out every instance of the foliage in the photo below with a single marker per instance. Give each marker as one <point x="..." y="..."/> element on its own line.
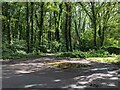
<point x="97" y="53"/>
<point x="114" y="50"/>
<point x="90" y="53"/>
<point x="76" y="29"/>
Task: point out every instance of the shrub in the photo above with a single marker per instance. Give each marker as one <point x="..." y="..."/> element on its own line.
<point x="114" y="50"/>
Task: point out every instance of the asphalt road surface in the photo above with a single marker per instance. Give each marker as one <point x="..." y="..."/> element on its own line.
<point x="35" y="73"/>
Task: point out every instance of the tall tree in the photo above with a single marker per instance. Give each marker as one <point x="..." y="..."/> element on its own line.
<point x="31" y="18"/>
<point x="41" y="23"/>
<point x="92" y="17"/>
<point x="68" y="27"/>
<point x="94" y="24"/>
<point x="8" y="25"/>
<point x="27" y="28"/>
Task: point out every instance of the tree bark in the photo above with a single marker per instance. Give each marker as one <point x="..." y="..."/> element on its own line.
<point x="27" y="28"/>
<point x="41" y="23"/>
<point x="9" y="34"/>
<point x="68" y="27"/>
<point x="94" y="22"/>
<point x="31" y="18"/>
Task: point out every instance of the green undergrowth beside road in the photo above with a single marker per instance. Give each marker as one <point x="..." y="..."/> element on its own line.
<point x="91" y="53"/>
<point x="22" y="55"/>
<point x="105" y="59"/>
<point x="96" y="55"/>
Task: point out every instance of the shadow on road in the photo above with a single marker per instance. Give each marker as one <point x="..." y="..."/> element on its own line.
<point x="34" y="73"/>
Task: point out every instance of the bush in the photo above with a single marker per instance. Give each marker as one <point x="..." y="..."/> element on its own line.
<point x="114" y="50"/>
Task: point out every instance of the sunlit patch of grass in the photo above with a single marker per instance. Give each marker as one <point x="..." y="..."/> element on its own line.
<point x="76" y="59"/>
<point x="105" y="59"/>
<point x="67" y="65"/>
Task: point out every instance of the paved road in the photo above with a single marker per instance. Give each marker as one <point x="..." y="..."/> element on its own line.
<point x="35" y="73"/>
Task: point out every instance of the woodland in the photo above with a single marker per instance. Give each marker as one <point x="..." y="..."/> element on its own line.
<point x="33" y="28"/>
<point x="60" y="44"/>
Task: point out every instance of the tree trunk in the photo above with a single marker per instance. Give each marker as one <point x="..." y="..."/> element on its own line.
<point x="41" y="23"/>
<point x="66" y="29"/>
<point x="94" y="22"/>
<point x="9" y="34"/>
<point x="31" y="18"/>
<point x="105" y="21"/>
<point x="57" y="35"/>
<point x="69" y="29"/>
<point x="49" y="32"/>
<point x="27" y="28"/>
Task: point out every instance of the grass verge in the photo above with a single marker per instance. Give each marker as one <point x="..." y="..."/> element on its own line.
<point x="105" y="59"/>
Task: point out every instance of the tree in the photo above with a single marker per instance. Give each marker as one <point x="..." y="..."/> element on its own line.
<point x="32" y="32"/>
<point x="27" y="28"/>
<point x="68" y="27"/>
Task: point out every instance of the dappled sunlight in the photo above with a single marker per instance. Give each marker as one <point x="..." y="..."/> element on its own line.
<point x="22" y="71"/>
<point x="114" y="78"/>
<point x="99" y="75"/>
<point x="75" y="86"/>
<point x="112" y="84"/>
<point x="33" y="85"/>
<point x="40" y="74"/>
<point x="57" y="80"/>
<point x="95" y="69"/>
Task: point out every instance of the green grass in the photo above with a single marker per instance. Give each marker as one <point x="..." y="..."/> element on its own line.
<point x="105" y="59"/>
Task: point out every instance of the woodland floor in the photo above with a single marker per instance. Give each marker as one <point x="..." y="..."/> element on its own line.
<point x="36" y="73"/>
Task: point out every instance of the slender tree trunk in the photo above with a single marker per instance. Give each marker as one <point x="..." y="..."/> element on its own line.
<point x="18" y="24"/>
<point x="49" y="32"/>
<point x="105" y="21"/>
<point x="57" y="34"/>
<point x="66" y="29"/>
<point x="77" y="33"/>
<point x="102" y="37"/>
<point x="9" y="34"/>
<point x="55" y="23"/>
<point x="41" y="23"/>
<point x="27" y="28"/>
<point x="69" y="26"/>
<point x="4" y="21"/>
<point x="100" y="28"/>
<point x="31" y="18"/>
<point x="94" y="22"/>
